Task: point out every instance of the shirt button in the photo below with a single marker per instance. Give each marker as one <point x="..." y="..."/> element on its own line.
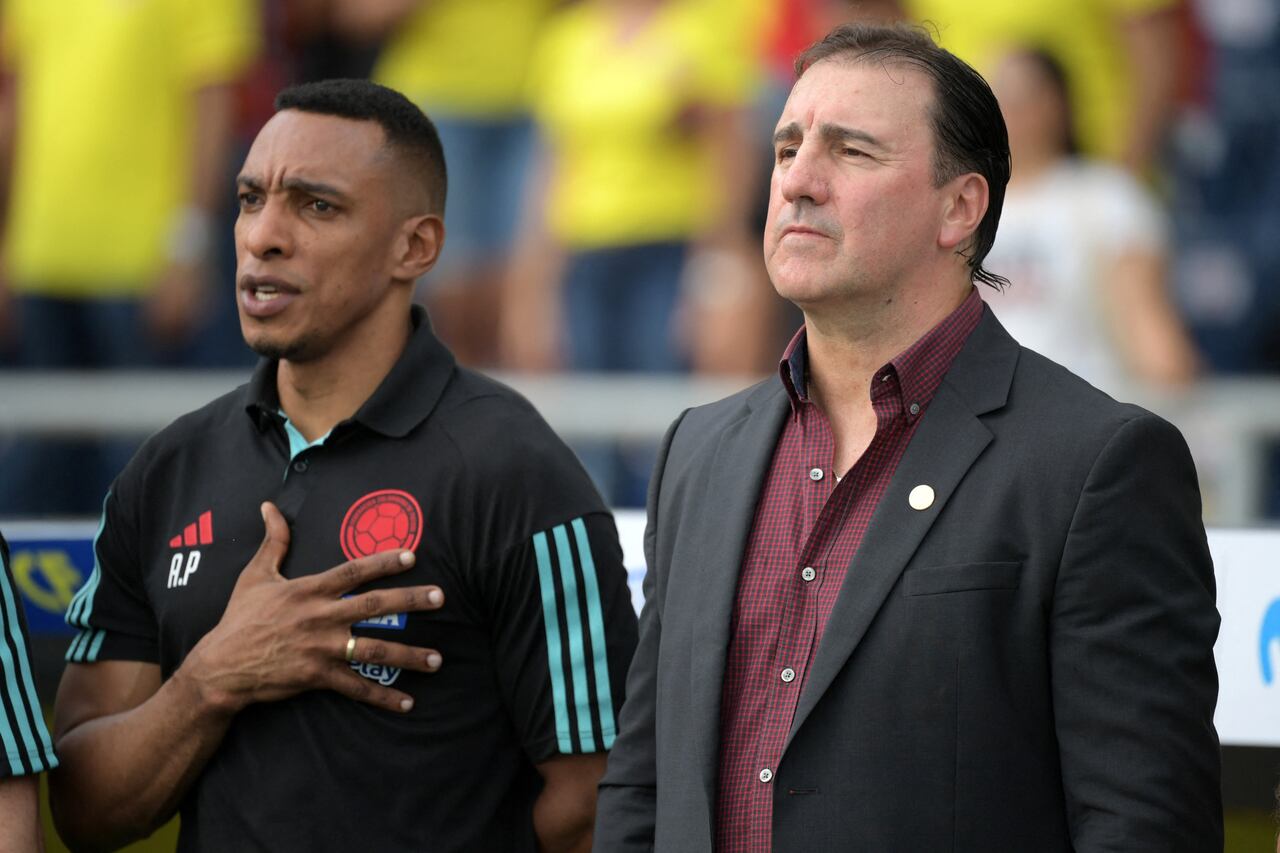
<point x="808" y="573"/>
<point x="788" y="675"/>
<point x="914" y="408"/>
<point x="766" y="775"/>
<point x="815" y="474"/>
<point x="300" y="465"/>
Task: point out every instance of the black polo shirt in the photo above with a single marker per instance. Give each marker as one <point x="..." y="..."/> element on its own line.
<point x="536" y="632"/>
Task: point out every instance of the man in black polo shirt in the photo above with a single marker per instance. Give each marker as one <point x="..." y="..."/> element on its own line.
<point x="279" y="704"/>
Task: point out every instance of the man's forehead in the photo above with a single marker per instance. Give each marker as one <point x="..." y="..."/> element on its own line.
<point x="295" y="140"/>
<point x="858" y="90"/>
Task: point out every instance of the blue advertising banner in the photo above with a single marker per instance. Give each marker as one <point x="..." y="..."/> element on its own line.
<point x="50" y="561"/>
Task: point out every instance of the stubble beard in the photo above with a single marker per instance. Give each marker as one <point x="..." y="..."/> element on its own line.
<point x="296" y="350"/>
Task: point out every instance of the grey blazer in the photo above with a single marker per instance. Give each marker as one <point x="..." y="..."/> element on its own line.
<point x="1025" y="665"/>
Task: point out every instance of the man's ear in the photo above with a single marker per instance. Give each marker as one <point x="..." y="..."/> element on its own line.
<point x="966" y="202"/>
<point x="418" y="247"/>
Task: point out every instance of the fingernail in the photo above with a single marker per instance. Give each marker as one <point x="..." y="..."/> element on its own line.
<point x="433" y="660"/>
<point x="435" y="597"/>
<point x="406" y="558"/>
<point x="406" y="704"/>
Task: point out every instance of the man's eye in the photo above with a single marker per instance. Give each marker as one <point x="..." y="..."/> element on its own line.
<point x="786" y="153"/>
<point x="854" y="152"/>
<point x="319" y="205"/>
<point x="248" y="199"/>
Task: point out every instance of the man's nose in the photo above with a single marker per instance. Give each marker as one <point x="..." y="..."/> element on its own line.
<point x="805" y="176"/>
<point x="266" y="231"/>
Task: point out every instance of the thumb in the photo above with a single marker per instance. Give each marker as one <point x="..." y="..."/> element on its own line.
<point x="275" y="541"/>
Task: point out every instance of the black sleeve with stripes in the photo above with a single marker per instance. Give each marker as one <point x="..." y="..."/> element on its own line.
<point x="564" y="631"/>
<point x="111" y="613"/>
<point x="24" y="739"/>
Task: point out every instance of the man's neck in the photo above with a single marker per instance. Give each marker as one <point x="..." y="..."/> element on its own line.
<point x="847" y="347"/>
<point x="321" y="393"/>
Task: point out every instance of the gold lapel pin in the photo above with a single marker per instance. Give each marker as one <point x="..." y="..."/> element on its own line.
<point x="921" y="497"/>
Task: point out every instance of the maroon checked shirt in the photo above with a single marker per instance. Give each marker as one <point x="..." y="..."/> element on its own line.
<point x="804" y="538"/>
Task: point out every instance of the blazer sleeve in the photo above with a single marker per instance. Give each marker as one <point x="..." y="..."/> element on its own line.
<point x="626" y="808"/>
<point x="1131" y="648"/>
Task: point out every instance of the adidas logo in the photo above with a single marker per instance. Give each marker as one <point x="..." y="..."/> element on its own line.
<point x="183" y="566"/>
<point x="199" y="532"/>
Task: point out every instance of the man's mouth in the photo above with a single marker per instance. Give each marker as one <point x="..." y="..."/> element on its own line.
<point x="264" y="292"/>
<point x="264" y="296"/>
<point x="802" y="231"/>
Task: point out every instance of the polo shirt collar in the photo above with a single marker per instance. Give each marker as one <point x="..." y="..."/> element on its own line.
<point x="403" y="400"/>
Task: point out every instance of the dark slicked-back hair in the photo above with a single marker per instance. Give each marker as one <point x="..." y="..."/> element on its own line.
<point x="407" y="129"/>
<point x="968" y="131"/>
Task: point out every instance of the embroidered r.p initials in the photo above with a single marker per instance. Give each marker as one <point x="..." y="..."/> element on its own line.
<point x="182" y="567"/>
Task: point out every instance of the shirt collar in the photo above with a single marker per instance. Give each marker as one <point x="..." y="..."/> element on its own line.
<point x="403" y="400"/>
<point x="794" y="369"/>
<point x="919" y="368"/>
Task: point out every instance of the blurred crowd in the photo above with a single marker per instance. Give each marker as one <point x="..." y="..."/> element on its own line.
<point x="609" y="163"/>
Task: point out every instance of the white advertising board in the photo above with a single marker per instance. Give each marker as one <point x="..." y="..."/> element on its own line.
<point x="1247" y="564"/>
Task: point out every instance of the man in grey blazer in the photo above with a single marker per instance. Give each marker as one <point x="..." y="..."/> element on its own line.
<point x="926" y="590"/>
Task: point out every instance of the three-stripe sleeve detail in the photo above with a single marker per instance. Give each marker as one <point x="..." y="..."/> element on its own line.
<point x="577" y="652"/>
<point x="84" y="648"/>
<point x="27" y="745"/>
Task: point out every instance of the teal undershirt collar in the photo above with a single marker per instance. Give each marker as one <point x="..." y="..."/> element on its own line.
<point x="297" y="441"/>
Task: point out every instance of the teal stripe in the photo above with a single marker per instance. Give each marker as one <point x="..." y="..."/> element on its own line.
<point x="577" y="648"/>
<point x="17" y="700"/>
<point x="82" y="604"/>
<point x="71" y="649"/>
<point x="77" y="615"/>
<point x="76" y="651"/>
<point x="11" y="752"/>
<point x="551" y="620"/>
<point x="97" y="646"/>
<point x="595" y="618"/>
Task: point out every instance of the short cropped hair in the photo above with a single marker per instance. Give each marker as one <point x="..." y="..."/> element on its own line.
<point x="408" y="130"/>
<point x="968" y="130"/>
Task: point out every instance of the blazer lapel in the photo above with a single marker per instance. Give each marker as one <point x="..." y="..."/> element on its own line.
<point x="947" y="442"/>
<point x="734" y="481"/>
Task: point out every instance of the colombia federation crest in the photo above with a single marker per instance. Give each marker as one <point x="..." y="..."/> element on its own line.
<point x="385" y="520"/>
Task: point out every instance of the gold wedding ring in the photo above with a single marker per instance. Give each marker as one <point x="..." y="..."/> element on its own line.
<point x="351" y="649"/>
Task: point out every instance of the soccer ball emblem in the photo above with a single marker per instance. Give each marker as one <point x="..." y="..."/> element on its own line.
<point x="386" y="520"/>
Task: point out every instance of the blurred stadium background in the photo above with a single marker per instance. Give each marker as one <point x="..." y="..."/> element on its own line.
<point x="609" y="165"/>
